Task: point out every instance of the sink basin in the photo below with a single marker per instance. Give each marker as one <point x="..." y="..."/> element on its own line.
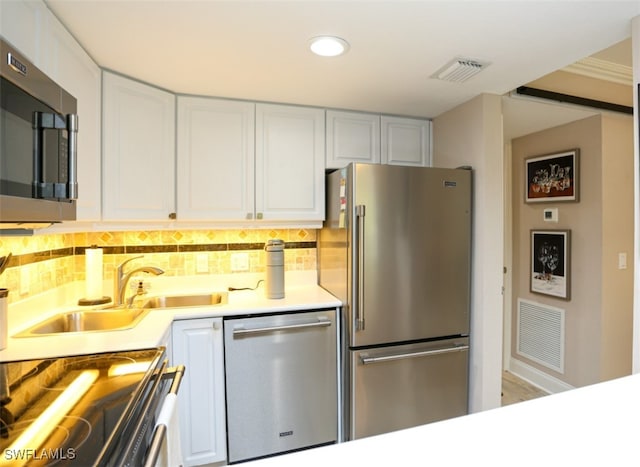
<point x="118" y="318"/>
<point x="87" y="320"/>
<point x="176" y="301"/>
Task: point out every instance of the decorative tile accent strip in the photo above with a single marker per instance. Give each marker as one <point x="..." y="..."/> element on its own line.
<point x="202" y="247"/>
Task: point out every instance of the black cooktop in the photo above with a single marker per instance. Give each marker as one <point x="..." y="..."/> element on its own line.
<point x="67" y="410"/>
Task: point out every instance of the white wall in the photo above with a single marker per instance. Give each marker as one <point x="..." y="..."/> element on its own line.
<point x="471" y="134"/>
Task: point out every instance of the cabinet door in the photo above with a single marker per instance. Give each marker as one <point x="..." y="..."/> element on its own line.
<point x="215" y="159"/>
<point x="352" y="137"/>
<point x="198" y="344"/>
<point x="138" y="150"/>
<point x="289" y="163"/>
<point x="21" y="24"/>
<point x="74" y="70"/>
<point x="406" y="141"/>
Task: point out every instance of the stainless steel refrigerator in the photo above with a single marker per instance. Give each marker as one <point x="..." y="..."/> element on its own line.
<point x="396" y="249"/>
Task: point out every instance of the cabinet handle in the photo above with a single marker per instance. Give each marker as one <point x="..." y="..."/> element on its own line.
<point x="249" y="215"/>
<point x="259" y="215"/>
<point x="173" y="216"/>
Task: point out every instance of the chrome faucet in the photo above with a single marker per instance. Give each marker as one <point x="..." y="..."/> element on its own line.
<point x="121" y="279"/>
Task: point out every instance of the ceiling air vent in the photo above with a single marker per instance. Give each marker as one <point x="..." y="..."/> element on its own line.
<point x="459" y="70"/>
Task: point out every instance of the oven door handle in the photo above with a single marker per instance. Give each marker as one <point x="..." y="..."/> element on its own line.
<point x="168" y="406"/>
<point x="176" y="372"/>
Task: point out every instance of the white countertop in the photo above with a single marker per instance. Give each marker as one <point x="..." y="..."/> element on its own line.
<point x="301" y="293"/>
<point x="594" y="425"/>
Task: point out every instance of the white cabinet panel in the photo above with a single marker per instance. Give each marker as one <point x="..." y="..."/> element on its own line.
<point x="74" y="70"/>
<point x="21" y="25"/>
<point x="290" y="145"/>
<point x="406" y="141"/>
<point x="198" y="344"/>
<point x="215" y="159"/>
<point x="352" y="137"/>
<point x="138" y="150"/>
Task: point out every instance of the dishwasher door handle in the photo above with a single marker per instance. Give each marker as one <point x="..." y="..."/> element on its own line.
<point x="424" y="353"/>
<point x="240" y="330"/>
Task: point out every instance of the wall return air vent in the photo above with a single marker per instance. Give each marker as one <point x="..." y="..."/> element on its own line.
<point x="460" y="70"/>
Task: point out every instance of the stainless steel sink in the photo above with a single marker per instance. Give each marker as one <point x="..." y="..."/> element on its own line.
<point x="112" y="319"/>
<point x="177" y="301"/>
<point x="87" y="320"/>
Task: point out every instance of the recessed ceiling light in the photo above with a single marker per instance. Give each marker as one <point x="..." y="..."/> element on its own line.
<point x="328" y="46"/>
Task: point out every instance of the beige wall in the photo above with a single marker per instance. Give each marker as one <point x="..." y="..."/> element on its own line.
<point x="617" y="233"/>
<point x="598" y="315"/>
<point x="471" y="134"/>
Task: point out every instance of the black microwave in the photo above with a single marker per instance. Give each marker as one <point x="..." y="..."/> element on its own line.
<point x="38" y="145"/>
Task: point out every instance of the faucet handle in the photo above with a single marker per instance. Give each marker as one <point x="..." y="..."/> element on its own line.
<point x="121" y="265"/>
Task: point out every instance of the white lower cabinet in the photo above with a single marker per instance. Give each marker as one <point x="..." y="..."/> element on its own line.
<point x="198" y="344"/>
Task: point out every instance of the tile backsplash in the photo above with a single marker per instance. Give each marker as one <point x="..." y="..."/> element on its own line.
<point x="42" y="262"/>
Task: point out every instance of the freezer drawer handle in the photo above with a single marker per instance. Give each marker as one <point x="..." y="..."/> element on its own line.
<point x="425" y="353"/>
<point x="241" y="331"/>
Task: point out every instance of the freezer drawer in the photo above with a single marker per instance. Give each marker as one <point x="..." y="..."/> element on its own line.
<point x="403" y="386"/>
<point x="281" y="381"/>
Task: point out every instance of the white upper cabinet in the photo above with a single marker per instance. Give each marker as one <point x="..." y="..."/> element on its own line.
<point x="21" y="25"/>
<point x="215" y="159"/>
<point x="352" y="137"/>
<point x="138" y="150"/>
<point x="240" y="161"/>
<point x="290" y="144"/>
<point x="406" y="141"/>
<point x="375" y="139"/>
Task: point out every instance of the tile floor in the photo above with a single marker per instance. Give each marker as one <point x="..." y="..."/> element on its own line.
<point x="515" y="389"/>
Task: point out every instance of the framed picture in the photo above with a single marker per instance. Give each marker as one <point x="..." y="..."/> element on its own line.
<point x="550" y="263"/>
<point x="552" y="177"/>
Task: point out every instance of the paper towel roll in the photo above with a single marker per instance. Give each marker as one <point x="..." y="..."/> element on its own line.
<point x="93" y="275"/>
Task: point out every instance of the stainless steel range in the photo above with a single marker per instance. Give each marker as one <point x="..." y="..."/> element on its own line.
<point x="98" y="409"/>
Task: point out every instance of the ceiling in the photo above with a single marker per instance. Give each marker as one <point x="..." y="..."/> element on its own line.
<point x="258" y="50"/>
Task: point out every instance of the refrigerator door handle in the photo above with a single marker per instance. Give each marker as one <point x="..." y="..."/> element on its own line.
<point x="242" y="331"/>
<point x="366" y="360"/>
<point x="359" y="249"/>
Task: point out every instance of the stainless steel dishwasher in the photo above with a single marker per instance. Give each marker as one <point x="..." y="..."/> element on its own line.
<point x="281" y="383"/>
